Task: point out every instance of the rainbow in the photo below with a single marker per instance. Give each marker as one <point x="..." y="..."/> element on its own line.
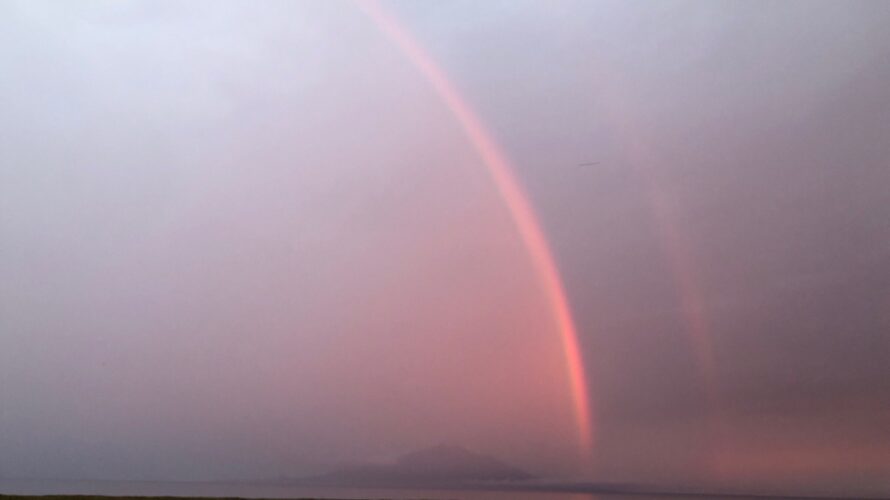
<point x="644" y="161"/>
<point x="517" y="203"/>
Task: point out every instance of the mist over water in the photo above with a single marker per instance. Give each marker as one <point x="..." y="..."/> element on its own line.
<point x="247" y="240"/>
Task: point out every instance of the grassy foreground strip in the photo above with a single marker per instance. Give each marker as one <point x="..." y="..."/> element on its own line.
<point x="113" y="497"/>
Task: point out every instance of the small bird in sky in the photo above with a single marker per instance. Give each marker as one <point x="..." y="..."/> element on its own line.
<point x="589" y="164"/>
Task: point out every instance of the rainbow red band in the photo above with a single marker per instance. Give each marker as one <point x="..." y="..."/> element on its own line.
<point x="517" y="203"/>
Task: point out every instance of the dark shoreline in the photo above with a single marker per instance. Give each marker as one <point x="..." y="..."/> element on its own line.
<point x="566" y="490"/>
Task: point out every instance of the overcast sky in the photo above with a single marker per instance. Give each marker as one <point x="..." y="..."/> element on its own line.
<point x="243" y="239"/>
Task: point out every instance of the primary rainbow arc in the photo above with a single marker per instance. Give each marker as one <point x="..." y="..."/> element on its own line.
<point x="518" y="205"/>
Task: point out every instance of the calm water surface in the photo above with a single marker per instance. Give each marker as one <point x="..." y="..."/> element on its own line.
<point x="36" y="487"/>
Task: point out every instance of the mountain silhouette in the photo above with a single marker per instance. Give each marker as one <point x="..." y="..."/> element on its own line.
<point x="441" y="465"/>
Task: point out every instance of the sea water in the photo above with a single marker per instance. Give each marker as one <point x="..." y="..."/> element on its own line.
<point x="250" y="490"/>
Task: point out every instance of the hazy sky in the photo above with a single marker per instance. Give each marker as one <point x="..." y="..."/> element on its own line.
<point x="243" y="239"/>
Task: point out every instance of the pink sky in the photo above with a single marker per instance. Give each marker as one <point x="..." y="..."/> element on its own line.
<point x="243" y="240"/>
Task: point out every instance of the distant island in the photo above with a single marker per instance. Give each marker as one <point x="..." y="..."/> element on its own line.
<point x="438" y="466"/>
